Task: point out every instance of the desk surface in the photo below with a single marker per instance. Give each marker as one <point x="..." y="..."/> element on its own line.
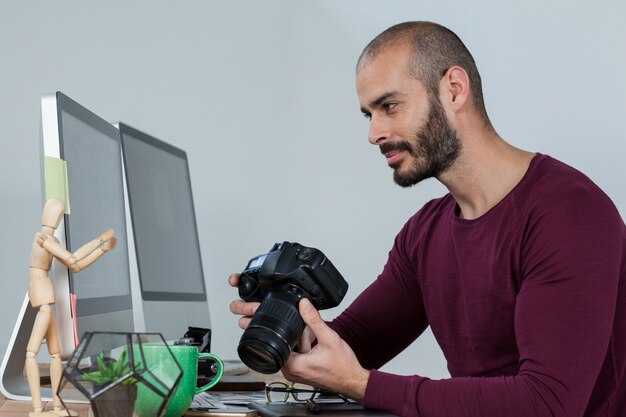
<point x="12" y="408"/>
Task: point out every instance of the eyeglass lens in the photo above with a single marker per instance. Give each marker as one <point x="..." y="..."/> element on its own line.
<point x="279" y="392"/>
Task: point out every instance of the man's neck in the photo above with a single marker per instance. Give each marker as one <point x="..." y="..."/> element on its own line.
<point x="487" y="170"/>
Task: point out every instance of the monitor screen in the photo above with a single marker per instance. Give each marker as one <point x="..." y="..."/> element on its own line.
<point x="91" y="148"/>
<point x="163" y="219"/>
<point x="167" y="279"/>
<point x="94" y="171"/>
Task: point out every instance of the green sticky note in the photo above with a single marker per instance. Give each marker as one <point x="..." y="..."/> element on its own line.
<point x="56" y="180"/>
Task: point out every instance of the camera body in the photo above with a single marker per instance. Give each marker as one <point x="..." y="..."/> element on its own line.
<point x="293" y="264"/>
<point x="279" y="279"/>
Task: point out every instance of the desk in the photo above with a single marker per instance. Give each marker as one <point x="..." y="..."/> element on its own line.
<point x="12" y="408"/>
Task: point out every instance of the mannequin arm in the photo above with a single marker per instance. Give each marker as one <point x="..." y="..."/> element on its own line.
<point x="89" y="247"/>
<point x="83" y="256"/>
<point x="95" y="255"/>
<point x="56" y="249"/>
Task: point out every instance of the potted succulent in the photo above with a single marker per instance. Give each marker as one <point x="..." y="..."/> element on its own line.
<point x="135" y="379"/>
<point x="117" y="395"/>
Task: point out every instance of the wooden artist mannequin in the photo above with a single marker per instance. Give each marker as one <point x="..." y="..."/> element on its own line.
<point x="41" y="295"/>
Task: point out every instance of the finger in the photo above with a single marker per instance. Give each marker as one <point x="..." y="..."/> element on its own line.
<point x="244" y="322"/>
<point x="107" y="235"/>
<point x="305" y="342"/>
<point x="109" y="245"/>
<point x="243" y="308"/>
<point x="233" y="280"/>
<point x="313" y="319"/>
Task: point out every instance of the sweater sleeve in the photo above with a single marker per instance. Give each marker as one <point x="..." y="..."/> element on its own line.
<point x="373" y="325"/>
<point x="564" y="313"/>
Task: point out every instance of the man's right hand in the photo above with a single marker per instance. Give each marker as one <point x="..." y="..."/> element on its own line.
<point x="240" y="307"/>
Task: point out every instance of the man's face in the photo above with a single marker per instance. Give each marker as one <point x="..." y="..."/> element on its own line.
<point x="410" y="128"/>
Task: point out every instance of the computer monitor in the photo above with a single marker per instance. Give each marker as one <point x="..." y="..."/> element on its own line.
<point x="165" y="256"/>
<point x="97" y="298"/>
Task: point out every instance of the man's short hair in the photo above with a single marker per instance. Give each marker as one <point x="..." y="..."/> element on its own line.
<point x="435" y="49"/>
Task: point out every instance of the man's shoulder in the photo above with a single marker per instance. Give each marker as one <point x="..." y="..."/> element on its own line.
<point x="556" y="192"/>
<point x="550" y="180"/>
<point x="546" y="172"/>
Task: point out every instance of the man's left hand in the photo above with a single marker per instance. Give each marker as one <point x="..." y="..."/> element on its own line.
<point x="331" y="364"/>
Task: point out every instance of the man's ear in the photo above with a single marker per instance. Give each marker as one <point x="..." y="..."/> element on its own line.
<point x="455" y="88"/>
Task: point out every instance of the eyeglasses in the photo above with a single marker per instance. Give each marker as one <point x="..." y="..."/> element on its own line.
<point x="280" y="392"/>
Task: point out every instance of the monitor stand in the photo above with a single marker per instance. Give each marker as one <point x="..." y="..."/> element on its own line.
<point x="13" y="383"/>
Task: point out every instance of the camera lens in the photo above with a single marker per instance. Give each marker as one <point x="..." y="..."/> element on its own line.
<point x="273" y="332"/>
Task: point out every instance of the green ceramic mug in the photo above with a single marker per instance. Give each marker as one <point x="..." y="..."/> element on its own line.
<point x="148" y="402"/>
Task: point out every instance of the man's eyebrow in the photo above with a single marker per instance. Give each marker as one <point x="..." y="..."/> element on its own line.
<point x="380" y="100"/>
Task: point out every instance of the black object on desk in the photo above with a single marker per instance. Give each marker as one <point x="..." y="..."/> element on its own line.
<point x="236" y="383"/>
<point x="325" y="410"/>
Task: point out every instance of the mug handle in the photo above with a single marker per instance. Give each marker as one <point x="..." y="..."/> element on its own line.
<point x="218" y="375"/>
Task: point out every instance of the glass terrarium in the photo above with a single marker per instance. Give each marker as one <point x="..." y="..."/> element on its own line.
<point x="123" y="374"/>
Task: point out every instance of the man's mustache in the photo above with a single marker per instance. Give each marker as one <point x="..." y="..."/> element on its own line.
<point x="401" y="145"/>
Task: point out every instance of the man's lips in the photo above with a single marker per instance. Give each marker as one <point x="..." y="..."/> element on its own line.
<point x="395" y="151"/>
<point x="394" y="157"/>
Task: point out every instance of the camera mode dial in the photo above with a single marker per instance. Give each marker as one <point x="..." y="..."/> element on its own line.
<point x="305" y="254"/>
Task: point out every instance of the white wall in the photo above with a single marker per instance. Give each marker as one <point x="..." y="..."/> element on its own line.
<point x="261" y="95"/>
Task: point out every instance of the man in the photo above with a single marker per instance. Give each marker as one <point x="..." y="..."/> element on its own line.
<point x="520" y="270"/>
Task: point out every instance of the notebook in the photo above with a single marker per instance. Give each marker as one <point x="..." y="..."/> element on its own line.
<point x="224" y="404"/>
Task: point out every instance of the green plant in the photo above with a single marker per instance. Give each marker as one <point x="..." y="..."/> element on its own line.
<point x="110" y="370"/>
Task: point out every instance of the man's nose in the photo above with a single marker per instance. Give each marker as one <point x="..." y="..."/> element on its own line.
<point x="378" y="130"/>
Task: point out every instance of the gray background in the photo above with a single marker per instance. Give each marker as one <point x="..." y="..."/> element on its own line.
<point x="261" y="96"/>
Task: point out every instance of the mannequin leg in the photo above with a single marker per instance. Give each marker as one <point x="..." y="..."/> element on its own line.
<point x="56" y="367"/>
<point x="40" y="327"/>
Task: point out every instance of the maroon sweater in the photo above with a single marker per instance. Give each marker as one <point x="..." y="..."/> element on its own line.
<point x="528" y="304"/>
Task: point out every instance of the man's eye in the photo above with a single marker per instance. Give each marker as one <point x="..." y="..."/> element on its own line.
<point x="389" y="106"/>
<point x="368" y="116"/>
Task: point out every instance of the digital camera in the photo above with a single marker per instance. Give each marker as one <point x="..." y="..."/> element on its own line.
<point x="279" y="279"/>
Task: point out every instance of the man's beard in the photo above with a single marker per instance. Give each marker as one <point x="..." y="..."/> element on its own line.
<point x="434" y="149"/>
